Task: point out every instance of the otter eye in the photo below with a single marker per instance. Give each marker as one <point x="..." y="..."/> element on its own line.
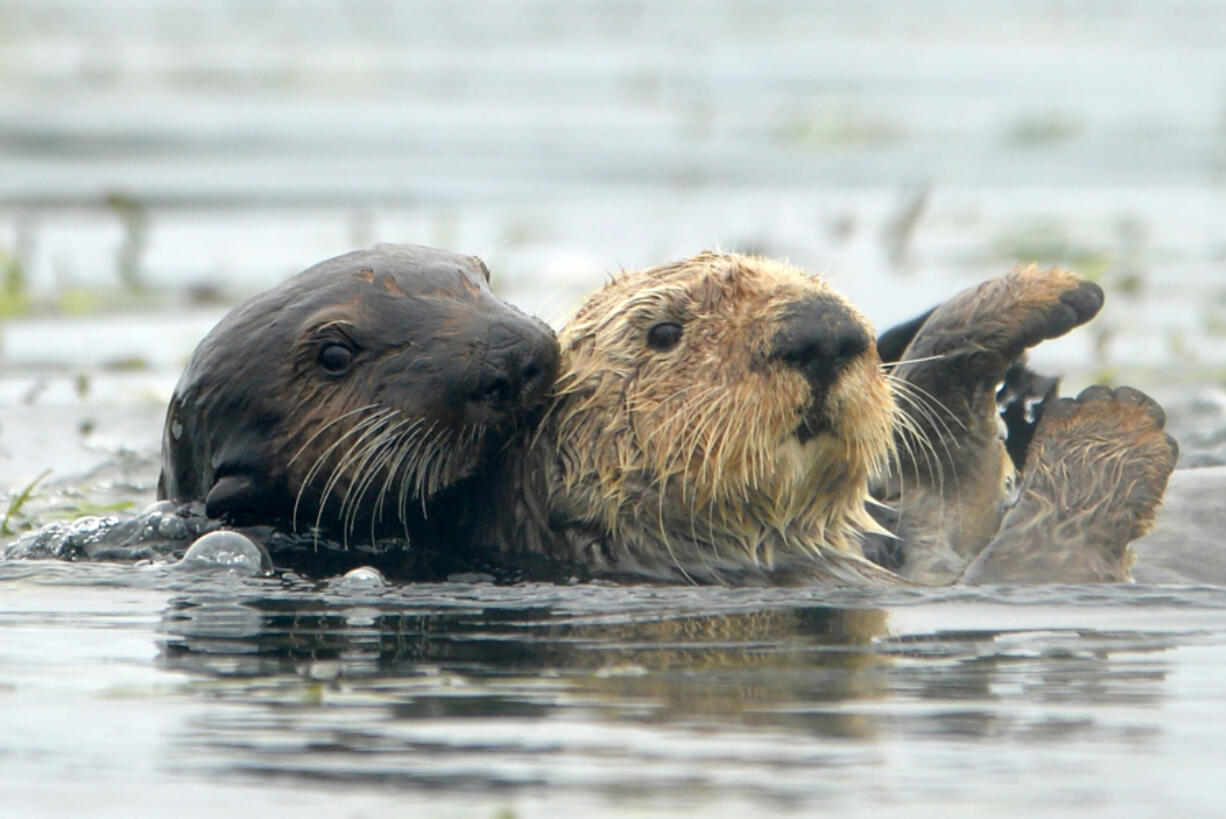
<point x="664" y="336"/>
<point x="335" y="359"/>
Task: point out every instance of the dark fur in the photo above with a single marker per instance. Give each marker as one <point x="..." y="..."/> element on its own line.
<point x="253" y="413"/>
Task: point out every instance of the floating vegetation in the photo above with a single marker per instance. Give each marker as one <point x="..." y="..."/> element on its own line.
<point x="1213" y="321"/>
<point x="18" y="501"/>
<point x="14" y="299"/>
<point x="1047" y="242"/>
<point x="836" y="128"/>
<point x="128" y="364"/>
<point x="134" y="217"/>
<point x="78" y="301"/>
<point x="899" y="229"/>
<point x="1042" y="130"/>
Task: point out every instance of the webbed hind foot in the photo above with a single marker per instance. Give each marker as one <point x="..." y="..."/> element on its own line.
<point x="1094" y="479"/>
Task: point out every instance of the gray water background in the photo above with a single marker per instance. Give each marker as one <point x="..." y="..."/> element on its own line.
<point x="161" y="161"/>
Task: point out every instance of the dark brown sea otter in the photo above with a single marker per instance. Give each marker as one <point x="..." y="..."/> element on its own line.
<point x="728" y="419"/>
<point x="352" y="399"/>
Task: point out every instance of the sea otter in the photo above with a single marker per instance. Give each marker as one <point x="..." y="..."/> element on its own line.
<point x="722" y="419"/>
<point x="728" y="419"/>
<point x="350" y="398"/>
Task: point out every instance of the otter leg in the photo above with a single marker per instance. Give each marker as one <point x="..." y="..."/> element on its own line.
<point x="1094" y="480"/>
<point x="954" y="472"/>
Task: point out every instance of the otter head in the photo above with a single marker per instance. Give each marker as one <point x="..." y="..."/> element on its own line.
<point x="350" y="395"/>
<point x="718" y="419"/>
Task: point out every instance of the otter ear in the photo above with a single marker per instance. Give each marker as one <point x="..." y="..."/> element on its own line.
<point x="235" y="498"/>
<point x="485" y="271"/>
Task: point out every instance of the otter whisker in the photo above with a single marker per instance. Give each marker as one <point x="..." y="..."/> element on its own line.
<point x="341" y="470"/>
<point x="929" y="400"/>
<point x="379" y="451"/>
<point x="319" y="462"/>
<point x="388" y="445"/>
<point x="922" y="410"/>
<point x="416" y="466"/>
<point x="326" y="427"/>
<point x="360" y="477"/>
<point x="412" y="446"/>
<point x="396" y="454"/>
<point x="344" y="471"/>
<point x="912" y="436"/>
<point x="890" y="365"/>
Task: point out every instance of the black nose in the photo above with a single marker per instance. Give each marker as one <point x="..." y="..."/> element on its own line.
<point x="819" y="338"/>
<point x="520" y="365"/>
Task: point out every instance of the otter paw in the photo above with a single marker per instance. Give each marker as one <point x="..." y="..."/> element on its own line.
<point x="1051" y="302"/>
<point x="1094" y="479"/>
<point x="1108" y="448"/>
<point x="1004" y="316"/>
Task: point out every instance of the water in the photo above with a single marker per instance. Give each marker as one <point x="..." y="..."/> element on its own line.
<point x="159" y="163"/>
<point x="476" y="699"/>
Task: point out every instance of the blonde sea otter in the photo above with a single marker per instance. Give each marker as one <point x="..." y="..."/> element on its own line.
<point x="728" y="419"/>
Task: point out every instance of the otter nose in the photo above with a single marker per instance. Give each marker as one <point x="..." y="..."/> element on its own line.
<point x="521" y="363"/>
<point x="819" y="338"/>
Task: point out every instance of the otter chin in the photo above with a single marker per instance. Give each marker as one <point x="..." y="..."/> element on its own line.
<point x="715" y="420"/>
<point x="349" y="399"/>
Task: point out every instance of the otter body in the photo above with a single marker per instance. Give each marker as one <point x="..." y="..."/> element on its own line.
<point x="728" y="419"/>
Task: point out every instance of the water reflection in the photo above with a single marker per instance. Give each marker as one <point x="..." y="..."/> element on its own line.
<point x="533" y="695"/>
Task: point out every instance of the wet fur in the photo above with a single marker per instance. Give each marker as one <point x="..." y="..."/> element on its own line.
<point x="684" y="465"/>
<point x="1013" y="484"/>
<point x="260" y="434"/>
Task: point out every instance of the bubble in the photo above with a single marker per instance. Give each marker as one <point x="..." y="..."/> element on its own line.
<point x="172" y="527"/>
<point x="162" y="507"/>
<point x="225" y="549"/>
<point x="363" y="576"/>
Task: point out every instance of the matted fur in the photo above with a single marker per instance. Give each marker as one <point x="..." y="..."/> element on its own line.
<point x="720" y="459"/>
<point x="686" y="463"/>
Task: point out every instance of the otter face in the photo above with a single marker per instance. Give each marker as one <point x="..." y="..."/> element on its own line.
<point x="350" y="395"/>
<point x="723" y="412"/>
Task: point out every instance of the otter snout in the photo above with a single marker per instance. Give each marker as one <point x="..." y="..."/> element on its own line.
<point x="819" y="337"/>
<point x="514" y="377"/>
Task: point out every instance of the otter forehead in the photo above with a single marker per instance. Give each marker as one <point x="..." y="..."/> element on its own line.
<point x="708" y="282"/>
<point x="387" y="274"/>
<point x="718" y="290"/>
<point x="393" y="296"/>
<point x="403" y="270"/>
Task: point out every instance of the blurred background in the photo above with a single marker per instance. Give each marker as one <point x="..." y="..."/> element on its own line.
<point x="161" y="161"/>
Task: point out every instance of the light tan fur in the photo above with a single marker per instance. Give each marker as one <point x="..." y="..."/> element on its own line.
<point x="685" y="463"/>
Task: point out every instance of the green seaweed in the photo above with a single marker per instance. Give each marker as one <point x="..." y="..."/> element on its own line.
<point x="14" y="298"/>
<point x="18" y="501"/>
